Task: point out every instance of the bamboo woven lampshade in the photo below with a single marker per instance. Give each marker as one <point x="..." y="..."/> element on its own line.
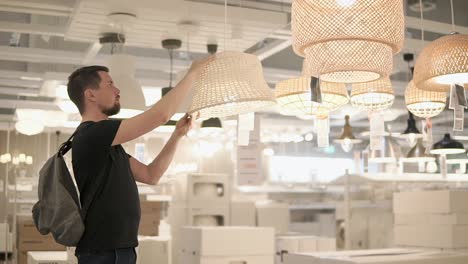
<point x="443" y="62"/>
<point x="294" y="96"/>
<point x="372" y="96"/>
<point x="231" y="84"/>
<point x="424" y="103"/>
<point x="348" y="41"/>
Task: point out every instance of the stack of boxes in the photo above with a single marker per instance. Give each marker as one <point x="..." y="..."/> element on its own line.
<point x="273" y="214"/>
<point x="29" y="239"/>
<point x="378" y="256"/>
<point x="301" y="244"/>
<point x="431" y="219"/>
<point x="154" y="250"/>
<point x="150" y="218"/>
<point x="198" y="200"/>
<point x="243" y="213"/>
<point x="226" y="245"/>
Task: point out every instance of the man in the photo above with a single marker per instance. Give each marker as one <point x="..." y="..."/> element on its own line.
<point x="105" y="173"/>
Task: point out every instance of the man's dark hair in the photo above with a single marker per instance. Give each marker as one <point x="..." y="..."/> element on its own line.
<point x="80" y="80"/>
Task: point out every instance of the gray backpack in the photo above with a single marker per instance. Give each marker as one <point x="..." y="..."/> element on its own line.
<point x="58" y="210"/>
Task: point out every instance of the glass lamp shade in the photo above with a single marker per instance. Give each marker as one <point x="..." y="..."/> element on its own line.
<point x="341" y="40"/>
<point x="447" y="146"/>
<point x="442" y="63"/>
<point x="29" y="127"/>
<point x="424" y="103"/>
<point x="231" y="84"/>
<point x="373" y="96"/>
<point x="418" y="153"/>
<point x="294" y="97"/>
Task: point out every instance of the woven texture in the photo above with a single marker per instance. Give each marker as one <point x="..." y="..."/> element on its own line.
<point x="443" y="62"/>
<point x="231" y="84"/>
<point x="348" y="61"/>
<point x="294" y="96"/>
<point x="348" y="43"/>
<point x="372" y="96"/>
<point x="424" y="103"/>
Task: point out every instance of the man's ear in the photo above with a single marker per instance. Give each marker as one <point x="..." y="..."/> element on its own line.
<point x="90" y="95"/>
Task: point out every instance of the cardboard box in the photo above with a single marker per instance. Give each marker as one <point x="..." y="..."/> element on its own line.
<point x="29" y="239"/>
<point x="227" y="241"/>
<point x="298" y="244"/>
<point x="378" y="257"/>
<point x="72" y="259"/>
<point x="202" y="189"/>
<point x="151" y="207"/>
<point x="191" y="259"/>
<point x="243" y="213"/>
<point x="47" y="257"/>
<point x="443" y="202"/>
<point x="274" y="215"/>
<point x="432" y="236"/>
<point x="23" y="256"/>
<point x="154" y="250"/>
<point x="432" y="219"/>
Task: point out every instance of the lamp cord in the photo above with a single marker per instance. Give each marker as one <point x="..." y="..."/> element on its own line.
<point x="453" y="15"/>
<point x="225" y="23"/>
<point x="422" y="21"/>
<point x="170" y="73"/>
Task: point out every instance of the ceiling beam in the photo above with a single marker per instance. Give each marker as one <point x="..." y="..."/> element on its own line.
<point x="272" y="48"/>
<point x="36" y="29"/>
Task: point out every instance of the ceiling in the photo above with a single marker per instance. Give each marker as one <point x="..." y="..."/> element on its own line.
<point x="42" y="41"/>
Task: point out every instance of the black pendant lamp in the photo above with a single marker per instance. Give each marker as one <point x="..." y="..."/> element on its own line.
<point x="411" y="133"/>
<point x="212" y="123"/>
<point x="447" y="146"/>
<point x="170" y="45"/>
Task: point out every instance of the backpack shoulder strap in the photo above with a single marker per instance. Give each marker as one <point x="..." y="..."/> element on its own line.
<point x="66" y="146"/>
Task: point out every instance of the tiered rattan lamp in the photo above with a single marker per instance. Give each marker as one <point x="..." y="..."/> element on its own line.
<point x="231" y="84"/>
<point x="348" y="43"/>
<point x="372" y="96"/>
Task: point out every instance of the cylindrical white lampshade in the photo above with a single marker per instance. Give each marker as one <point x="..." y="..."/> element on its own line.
<point x="231" y="84"/>
<point x="29" y="127"/>
<point x="122" y="72"/>
<point x="342" y="40"/>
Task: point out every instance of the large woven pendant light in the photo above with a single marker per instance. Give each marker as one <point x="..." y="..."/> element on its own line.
<point x="373" y="96"/>
<point x="348" y="41"/>
<point x="442" y="63"/>
<point x="294" y="96"/>
<point x="231" y="84"/>
<point x="424" y="103"/>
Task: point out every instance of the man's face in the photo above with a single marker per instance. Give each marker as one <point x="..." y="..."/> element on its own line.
<point x="108" y="95"/>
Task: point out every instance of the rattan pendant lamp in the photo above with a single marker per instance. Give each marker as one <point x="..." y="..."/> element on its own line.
<point x="348" y="41"/>
<point x="373" y="96"/>
<point x="443" y="62"/>
<point x="294" y="96"/>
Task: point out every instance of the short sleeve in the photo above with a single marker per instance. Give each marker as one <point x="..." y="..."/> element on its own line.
<point x="101" y="134"/>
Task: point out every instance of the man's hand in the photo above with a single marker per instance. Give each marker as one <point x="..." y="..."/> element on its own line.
<point x="184" y="125"/>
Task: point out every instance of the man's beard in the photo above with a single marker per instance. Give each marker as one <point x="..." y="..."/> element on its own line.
<point x="112" y="110"/>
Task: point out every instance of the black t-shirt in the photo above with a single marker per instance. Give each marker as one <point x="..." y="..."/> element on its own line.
<point x="113" y="215"/>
